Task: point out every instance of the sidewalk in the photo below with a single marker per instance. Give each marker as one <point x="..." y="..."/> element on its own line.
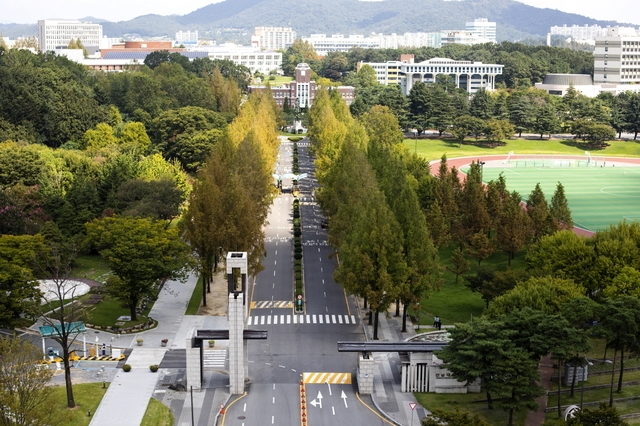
<point x="387" y="396"/>
<point x="128" y="395"/>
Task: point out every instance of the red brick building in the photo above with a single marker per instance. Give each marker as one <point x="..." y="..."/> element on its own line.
<point x="302" y="90"/>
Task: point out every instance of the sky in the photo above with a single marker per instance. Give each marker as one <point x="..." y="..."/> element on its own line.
<point x="30" y="11"/>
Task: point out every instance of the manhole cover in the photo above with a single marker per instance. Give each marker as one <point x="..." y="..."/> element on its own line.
<point x="241" y="418"/>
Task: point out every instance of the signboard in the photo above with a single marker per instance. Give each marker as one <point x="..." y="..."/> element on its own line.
<point x="55" y="330"/>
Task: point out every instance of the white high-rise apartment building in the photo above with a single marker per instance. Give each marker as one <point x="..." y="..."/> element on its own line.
<point x="395" y="41"/>
<point x="580" y="33"/>
<point x="617" y="57"/>
<point x="187" y="36"/>
<point x="484" y="30"/>
<point x="324" y="44"/>
<point x="272" y="38"/>
<point x="53" y="33"/>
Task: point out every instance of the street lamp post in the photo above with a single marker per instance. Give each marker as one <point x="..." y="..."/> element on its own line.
<point x="613" y="373"/>
<point x="481" y="170"/>
<point x="582" y="388"/>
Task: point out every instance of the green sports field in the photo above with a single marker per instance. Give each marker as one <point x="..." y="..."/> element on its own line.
<point x="598" y="196"/>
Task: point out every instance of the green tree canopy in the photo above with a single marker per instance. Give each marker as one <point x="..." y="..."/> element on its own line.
<point x="140" y="252"/>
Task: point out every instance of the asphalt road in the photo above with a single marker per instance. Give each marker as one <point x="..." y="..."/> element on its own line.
<point x="301" y="346"/>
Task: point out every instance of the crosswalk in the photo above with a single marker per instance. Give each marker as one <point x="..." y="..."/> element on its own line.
<point x="214" y="358"/>
<point x="331" y="378"/>
<point x="300" y="144"/>
<point x="301" y="319"/>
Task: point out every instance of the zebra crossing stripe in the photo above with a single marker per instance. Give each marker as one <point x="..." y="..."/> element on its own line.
<point x="301" y="319"/>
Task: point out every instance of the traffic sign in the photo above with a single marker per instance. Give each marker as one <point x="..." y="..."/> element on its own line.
<point x="413" y="405"/>
<point x="299" y="297"/>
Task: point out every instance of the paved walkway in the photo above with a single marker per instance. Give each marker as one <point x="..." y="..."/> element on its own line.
<point x="128" y="395"/>
<point x="387" y="396"/>
<point x="545" y="368"/>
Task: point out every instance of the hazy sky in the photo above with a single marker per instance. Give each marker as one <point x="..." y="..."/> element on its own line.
<point x="29" y="11"/>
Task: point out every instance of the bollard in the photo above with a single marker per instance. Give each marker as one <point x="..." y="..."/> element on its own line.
<point x="89" y="413"/>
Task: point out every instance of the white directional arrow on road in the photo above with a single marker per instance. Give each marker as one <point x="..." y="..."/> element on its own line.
<point x="318" y="400"/>
<point x="344" y="398"/>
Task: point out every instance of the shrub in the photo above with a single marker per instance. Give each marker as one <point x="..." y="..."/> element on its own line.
<point x="126" y="368"/>
<point x="298" y="276"/>
<point x="298" y="264"/>
<point x="297" y="256"/>
<point x="298" y="269"/>
<point x="296" y="223"/>
<point x="296" y="233"/>
<point x="298" y="250"/>
<point x="153" y="368"/>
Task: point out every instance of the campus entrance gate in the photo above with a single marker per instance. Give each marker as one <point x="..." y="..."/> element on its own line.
<point x="236" y="334"/>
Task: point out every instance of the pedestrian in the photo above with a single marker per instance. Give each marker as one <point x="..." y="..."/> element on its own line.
<point x="436" y="320"/>
<point x="439" y="327"/>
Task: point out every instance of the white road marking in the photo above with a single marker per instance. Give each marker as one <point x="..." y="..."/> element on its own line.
<point x="353" y="319"/>
<point x="333" y="319"/>
<point x="340" y="319"/>
<point x="320" y="318"/>
<point x="314" y="319"/>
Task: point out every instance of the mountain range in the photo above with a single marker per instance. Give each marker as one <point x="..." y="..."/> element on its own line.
<point x="515" y="20"/>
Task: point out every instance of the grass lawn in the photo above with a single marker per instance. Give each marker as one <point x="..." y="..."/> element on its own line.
<point x="455" y="303"/>
<point x="432" y="149"/>
<point x="196" y="299"/>
<point x="157" y="414"/>
<point x="278" y="80"/>
<point x="465" y="402"/>
<point x="93" y="267"/>
<point x="624" y="407"/>
<point x="106" y="313"/>
<point x="87" y="397"/>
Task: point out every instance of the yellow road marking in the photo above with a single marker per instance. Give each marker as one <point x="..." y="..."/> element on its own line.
<point x="331" y="378"/>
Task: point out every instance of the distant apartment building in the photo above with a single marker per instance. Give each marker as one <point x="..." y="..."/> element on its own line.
<point x="272" y="38"/>
<point x="459" y="37"/>
<point x="396" y="41"/>
<point x="324" y="44"/>
<point x="466" y="75"/>
<point x="262" y="61"/>
<point x="581" y="33"/>
<point x="56" y="33"/>
<point x="187" y="37"/>
<point x="617" y="57"/>
<point x="484" y="31"/>
<point x="302" y="91"/>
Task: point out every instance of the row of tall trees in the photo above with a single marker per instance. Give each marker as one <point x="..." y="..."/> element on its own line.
<point x="233" y="191"/>
<point x="484" y="218"/>
<point x="378" y="230"/>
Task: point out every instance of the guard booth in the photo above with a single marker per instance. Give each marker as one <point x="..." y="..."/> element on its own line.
<point x="422" y="370"/>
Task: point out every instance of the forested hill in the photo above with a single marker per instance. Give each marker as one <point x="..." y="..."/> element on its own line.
<point x="515" y="20"/>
